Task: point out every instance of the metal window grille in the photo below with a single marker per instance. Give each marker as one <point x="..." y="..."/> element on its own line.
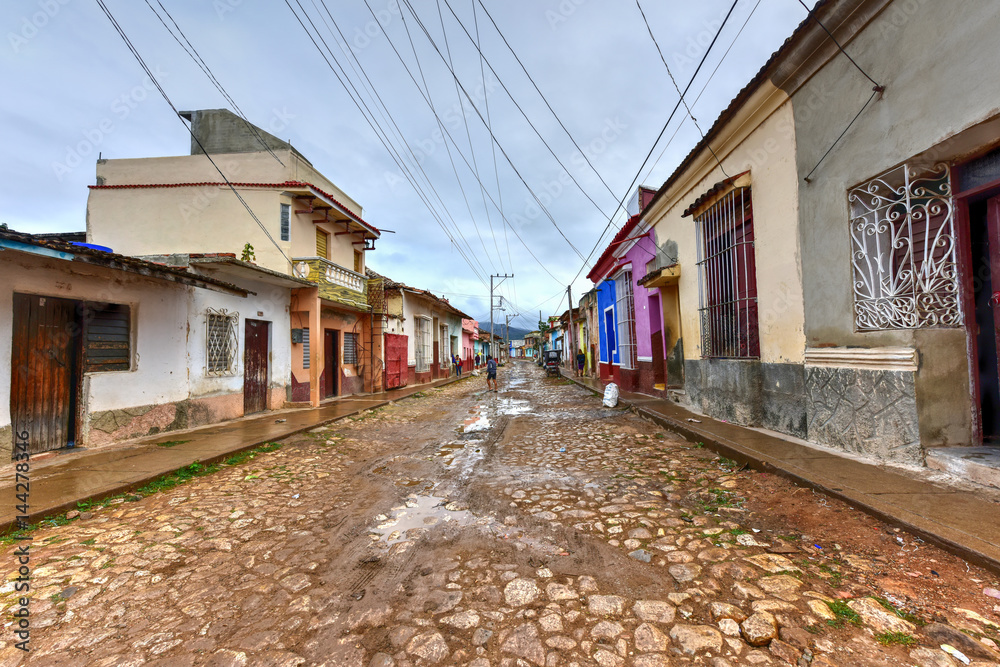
<point x="286" y="222"/>
<point x="222" y="342"/>
<point x="903" y="250"/>
<point x="443" y="351"/>
<point x="305" y="348"/>
<point x="728" y="278"/>
<point x="422" y="344"/>
<point x="350" y="348"/>
<point x="626" y="320"/>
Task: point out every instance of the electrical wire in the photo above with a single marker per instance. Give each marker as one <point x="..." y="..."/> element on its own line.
<point x="163" y="93"/>
<point x="200" y="62"/>
<point x="879" y="88"/>
<point x="387" y="116"/>
<point x="363" y="107"/>
<point x="493" y="136"/>
<point x="540" y="93"/>
<point x="621" y="203"/>
<point x="678" y="88"/>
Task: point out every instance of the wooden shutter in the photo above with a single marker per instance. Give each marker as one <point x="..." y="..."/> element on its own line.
<point x="286" y="215"/>
<point x="321" y="241"/>
<point x="107" y="335"/>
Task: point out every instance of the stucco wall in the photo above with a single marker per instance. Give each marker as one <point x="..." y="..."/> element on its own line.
<point x="928" y="54"/>
<point x="768" y="153"/>
<point x="210" y="219"/>
<point x="166" y="386"/>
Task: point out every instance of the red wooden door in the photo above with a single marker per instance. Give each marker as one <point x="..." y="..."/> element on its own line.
<point x="395" y="361"/>
<point x="255" y="366"/>
<point x="44" y="371"/>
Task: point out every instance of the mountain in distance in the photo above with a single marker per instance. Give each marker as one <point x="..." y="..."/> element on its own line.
<point x="516" y="333"/>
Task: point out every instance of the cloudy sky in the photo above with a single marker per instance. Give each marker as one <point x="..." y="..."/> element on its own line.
<point x="74" y="90"/>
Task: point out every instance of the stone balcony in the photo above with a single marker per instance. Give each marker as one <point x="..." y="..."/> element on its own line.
<point x="335" y="282"/>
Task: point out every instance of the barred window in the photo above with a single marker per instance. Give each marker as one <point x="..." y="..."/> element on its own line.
<point x="903" y="250"/>
<point x="221" y="342"/>
<point x="286" y="219"/>
<point x="350" y="348"/>
<point x="727" y="273"/>
<point x="305" y="348"/>
<point x="626" y="321"/>
<point x="422" y="344"/>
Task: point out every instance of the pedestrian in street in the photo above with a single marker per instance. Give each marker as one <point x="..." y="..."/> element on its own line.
<point x="581" y="360"/>
<point x="458" y="365"/>
<point x="477" y="361"/>
<point x="491" y="373"/>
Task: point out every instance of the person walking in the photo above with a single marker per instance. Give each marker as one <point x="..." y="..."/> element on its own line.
<point x="581" y="360"/>
<point x="477" y="361"/>
<point x="491" y="373"/>
<point x="458" y="365"/>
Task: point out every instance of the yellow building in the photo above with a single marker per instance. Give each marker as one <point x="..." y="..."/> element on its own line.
<point x="305" y="227"/>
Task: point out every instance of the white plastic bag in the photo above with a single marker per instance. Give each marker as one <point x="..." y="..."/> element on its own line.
<point x="611" y="395"/>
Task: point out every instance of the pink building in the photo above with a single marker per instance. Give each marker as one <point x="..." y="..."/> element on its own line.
<point x="470" y="333"/>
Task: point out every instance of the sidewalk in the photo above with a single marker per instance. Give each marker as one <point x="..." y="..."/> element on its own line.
<point x="57" y="483"/>
<point x="961" y="521"/>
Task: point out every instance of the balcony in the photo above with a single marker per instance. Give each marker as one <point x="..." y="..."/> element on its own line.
<point x="335" y="282"/>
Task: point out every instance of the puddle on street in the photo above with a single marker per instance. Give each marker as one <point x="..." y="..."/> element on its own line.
<point x="422" y="513"/>
<point x="513" y="406"/>
<point x="481" y="423"/>
<point x="417" y="515"/>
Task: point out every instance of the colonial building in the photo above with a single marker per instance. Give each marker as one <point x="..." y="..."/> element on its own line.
<point x="287" y="216"/>
<point x="100" y="347"/>
<point x="432" y="328"/>
<point x="825" y="251"/>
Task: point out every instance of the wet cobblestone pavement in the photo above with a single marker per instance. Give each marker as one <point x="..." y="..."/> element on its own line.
<point x="528" y="527"/>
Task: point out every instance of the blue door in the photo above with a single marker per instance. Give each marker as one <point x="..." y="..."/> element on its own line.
<point x="609" y="325"/>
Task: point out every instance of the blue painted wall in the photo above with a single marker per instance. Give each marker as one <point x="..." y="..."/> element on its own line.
<point x="605" y="299"/>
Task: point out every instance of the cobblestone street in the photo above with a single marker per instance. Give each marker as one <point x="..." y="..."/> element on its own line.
<point x="528" y="527"/>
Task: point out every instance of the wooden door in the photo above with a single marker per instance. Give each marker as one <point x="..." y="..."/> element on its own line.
<point x="395" y="361"/>
<point x="45" y="371"/>
<point x="331" y="353"/>
<point x="255" y="366"/>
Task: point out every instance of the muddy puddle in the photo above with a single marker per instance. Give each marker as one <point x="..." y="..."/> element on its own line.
<point x="418" y="514"/>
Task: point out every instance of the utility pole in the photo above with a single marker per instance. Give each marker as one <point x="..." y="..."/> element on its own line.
<point x="571" y="349"/>
<point x="507" y="333"/>
<point x="502" y="278"/>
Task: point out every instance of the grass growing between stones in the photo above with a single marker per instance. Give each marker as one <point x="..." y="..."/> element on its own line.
<point x="905" y="615"/>
<point x="843" y="613"/>
<point x="895" y="639"/>
<point x="162" y="483"/>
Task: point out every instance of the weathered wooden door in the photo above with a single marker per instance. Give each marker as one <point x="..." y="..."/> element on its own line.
<point x="331" y="357"/>
<point x="45" y="371"/>
<point x="255" y="366"/>
<point x="395" y="361"/>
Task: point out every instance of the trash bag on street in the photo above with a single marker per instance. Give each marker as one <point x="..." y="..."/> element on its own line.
<point x="611" y="395"/>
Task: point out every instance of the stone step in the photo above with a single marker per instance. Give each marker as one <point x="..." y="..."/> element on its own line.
<point x="976" y="464"/>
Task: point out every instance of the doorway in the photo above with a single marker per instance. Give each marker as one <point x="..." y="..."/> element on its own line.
<point x="984" y="237"/>
<point x="609" y="327"/>
<point x="331" y="362"/>
<point x="255" y="366"/>
<point x="45" y="371"/>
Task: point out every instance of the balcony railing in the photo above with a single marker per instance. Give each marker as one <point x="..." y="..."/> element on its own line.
<point x="335" y="282"/>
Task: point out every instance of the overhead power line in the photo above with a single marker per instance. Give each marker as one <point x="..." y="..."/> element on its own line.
<point x="677" y="106"/>
<point x="192" y="52"/>
<point x="163" y="93"/>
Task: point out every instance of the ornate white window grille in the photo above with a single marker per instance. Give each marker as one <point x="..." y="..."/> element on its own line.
<point x="222" y="343"/>
<point x="905" y="271"/>
<point x="350" y="348"/>
<point x="626" y="321"/>
<point x="422" y="344"/>
<point x="727" y="278"/>
<point x="445" y="357"/>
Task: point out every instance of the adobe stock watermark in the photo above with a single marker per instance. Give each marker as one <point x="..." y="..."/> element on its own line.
<point x="552" y="189"/>
<point x="696" y="45"/>
<point x="31" y="24"/>
<point x="205" y="196"/>
<point x="562" y="13"/>
<point x="121" y="108"/>
<point x="452" y="117"/>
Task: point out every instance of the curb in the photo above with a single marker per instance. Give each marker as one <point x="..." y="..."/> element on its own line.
<point x="733" y="451"/>
<point x="7" y="527"/>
